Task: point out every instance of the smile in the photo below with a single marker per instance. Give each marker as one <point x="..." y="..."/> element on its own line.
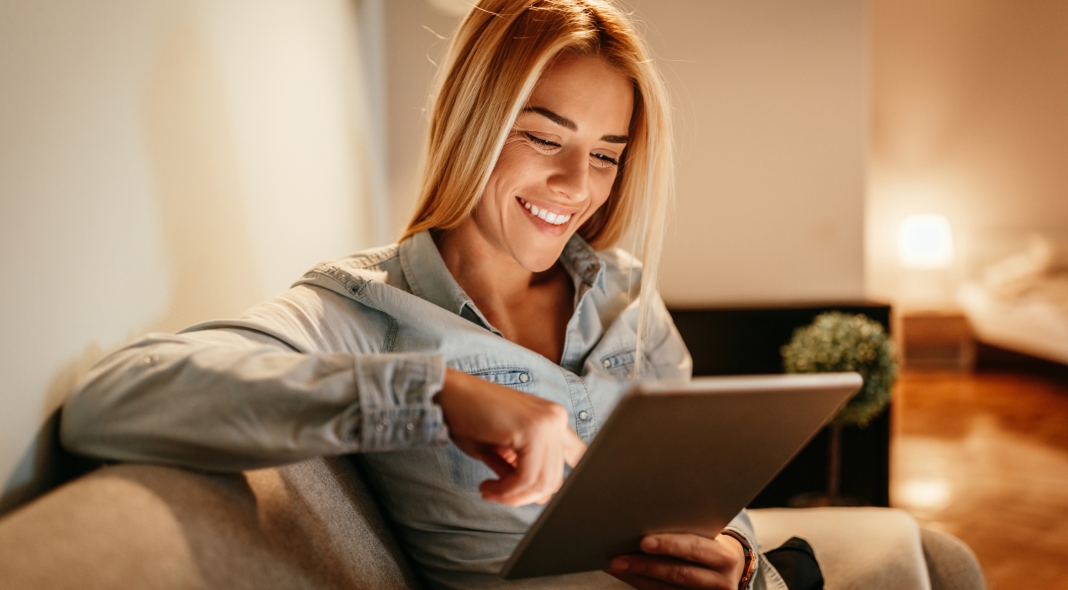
<point x="544" y="215"/>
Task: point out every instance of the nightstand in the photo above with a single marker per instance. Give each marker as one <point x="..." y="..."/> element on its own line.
<point x="936" y="340"/>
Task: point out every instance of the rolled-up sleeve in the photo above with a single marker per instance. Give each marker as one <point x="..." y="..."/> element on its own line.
<point x="244" y="397"/>
<point x="395" y="393"/>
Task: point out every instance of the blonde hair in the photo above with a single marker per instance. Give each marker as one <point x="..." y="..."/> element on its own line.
<point x="494" y="60"/>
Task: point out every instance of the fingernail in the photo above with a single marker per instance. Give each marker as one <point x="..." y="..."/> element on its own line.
<point x="650" y="543"/>
<point x="620" y="564"/>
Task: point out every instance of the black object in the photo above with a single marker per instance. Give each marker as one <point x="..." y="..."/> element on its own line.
<point x="796" y="563"/>
<point x="746" y="341"/>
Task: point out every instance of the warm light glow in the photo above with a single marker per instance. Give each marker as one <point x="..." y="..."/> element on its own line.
<point x="925" y="241"/>
<point x="929" y="494"/>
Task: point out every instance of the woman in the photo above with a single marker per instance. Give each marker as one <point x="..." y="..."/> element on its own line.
<point x="504" y="311"/>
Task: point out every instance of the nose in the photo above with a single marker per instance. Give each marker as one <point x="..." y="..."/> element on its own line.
<point x="570" y="177"/>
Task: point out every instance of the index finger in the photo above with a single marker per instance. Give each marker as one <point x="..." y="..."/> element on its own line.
<point x="574" y="448"/>
<point x="520" y="484"/>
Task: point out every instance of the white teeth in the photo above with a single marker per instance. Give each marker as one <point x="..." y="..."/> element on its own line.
<point x="543" y="214"/>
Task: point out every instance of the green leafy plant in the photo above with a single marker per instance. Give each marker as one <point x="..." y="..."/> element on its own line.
<point x="837" y="341"/>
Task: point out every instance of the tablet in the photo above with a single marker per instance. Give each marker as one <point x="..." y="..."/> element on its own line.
<point x="681" y="457"/>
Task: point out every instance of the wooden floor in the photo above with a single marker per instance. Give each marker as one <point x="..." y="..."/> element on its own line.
<point x="985" y="457"/>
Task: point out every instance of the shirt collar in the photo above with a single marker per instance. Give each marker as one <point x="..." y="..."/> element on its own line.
<point x="582" y="262"/>
<point x="427" y="275"/>
<point x="430" y="279"/>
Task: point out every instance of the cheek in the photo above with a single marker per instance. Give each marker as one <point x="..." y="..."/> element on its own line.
<point x="516" y="163"/>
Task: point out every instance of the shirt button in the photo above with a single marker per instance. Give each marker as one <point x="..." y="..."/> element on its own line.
<point x="584" y="415"/>
<point x="410" y="426"/>
<point x="523" y="377"/>
<point x="151" y="359"/>
<point x="381" y="426"/>
<point x="606" y="363"/>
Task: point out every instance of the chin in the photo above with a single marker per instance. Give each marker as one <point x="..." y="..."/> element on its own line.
<point x="541" y="259"/>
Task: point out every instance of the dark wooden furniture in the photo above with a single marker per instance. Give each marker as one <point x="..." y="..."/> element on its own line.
<point x="746" y="341"/>
<point x="936" y="340"/>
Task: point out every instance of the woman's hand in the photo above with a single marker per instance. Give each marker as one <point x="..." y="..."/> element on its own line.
<point x="682" y="561"/>
<point x="524" y="439"/>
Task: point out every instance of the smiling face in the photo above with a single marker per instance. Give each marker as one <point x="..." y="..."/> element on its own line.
<point x="558" y="162"/>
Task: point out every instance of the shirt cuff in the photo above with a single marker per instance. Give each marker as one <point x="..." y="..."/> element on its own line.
<point x="742" y="527"/>
<point x="396" y="407"/>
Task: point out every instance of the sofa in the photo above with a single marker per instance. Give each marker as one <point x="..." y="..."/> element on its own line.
<point x="316" y="525"/>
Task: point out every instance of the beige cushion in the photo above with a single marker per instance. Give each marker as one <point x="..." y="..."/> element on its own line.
<point x="309" y="525"/>
<point x="857" y="548"/>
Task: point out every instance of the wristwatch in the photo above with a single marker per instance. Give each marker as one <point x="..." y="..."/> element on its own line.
<point x="750" y="559"/>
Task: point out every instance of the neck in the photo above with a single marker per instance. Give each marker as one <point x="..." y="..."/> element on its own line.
<point x="529" y="308"/>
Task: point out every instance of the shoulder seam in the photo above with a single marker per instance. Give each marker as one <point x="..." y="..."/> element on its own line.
<point x="363" y="261"/>
<point x="349" y="281"/>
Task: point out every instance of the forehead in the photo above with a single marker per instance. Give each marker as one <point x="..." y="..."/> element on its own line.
<point x="588" y="91"/>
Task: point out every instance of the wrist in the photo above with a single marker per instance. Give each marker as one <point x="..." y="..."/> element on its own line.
<point x="749" y="564"/>
<point x="452" y="381"/>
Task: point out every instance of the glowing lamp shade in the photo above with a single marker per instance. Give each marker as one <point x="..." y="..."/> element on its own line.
<point x="925" y="241"/>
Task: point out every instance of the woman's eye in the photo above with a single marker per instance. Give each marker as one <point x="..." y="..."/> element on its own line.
<point x="542" y="143"/>
<point x="598" y="160"/>
<point x="603" y="161"/>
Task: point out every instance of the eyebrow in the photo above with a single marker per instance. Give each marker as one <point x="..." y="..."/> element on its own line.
<point x="570" y="125"/>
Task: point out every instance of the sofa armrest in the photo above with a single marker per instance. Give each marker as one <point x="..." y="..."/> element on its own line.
<point x="307" y="525"/>
<point x="872" y="548"/>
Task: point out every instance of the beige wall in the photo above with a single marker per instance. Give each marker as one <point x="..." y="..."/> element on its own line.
<point x="770" y="97"/>
<point x="161" y="164"/>
<point x="970" y="119"/>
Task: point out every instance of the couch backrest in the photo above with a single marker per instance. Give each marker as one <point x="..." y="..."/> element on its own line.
<point x="309" y="525"/>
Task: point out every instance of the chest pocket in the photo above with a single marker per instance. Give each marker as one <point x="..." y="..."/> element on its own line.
<point x="514" y="377"/>
<point x="619" y="364"/>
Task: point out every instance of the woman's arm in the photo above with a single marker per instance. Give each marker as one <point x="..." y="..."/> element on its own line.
<point x="234" y="399"/>
<point x="288" y="382"/>
<point x="524" y="439"/>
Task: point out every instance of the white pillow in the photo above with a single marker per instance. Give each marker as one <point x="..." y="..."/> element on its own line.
<point x="1013" y="276"/>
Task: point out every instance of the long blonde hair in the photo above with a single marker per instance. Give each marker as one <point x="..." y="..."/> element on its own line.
<point x="495" y="58"/>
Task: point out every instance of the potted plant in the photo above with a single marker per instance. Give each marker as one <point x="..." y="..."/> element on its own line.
<point x="833" y="342"/>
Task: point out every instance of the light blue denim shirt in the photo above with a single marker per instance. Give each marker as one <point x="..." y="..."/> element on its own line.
<point x="347" y="361"/>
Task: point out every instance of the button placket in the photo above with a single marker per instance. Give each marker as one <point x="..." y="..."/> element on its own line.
<point x="585" y="426"/>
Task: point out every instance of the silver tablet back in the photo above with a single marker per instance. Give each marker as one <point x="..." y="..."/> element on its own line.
<point x="677" y="457"/>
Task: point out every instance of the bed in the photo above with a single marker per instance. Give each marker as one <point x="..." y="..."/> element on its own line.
<point x="1020" y="302"/>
